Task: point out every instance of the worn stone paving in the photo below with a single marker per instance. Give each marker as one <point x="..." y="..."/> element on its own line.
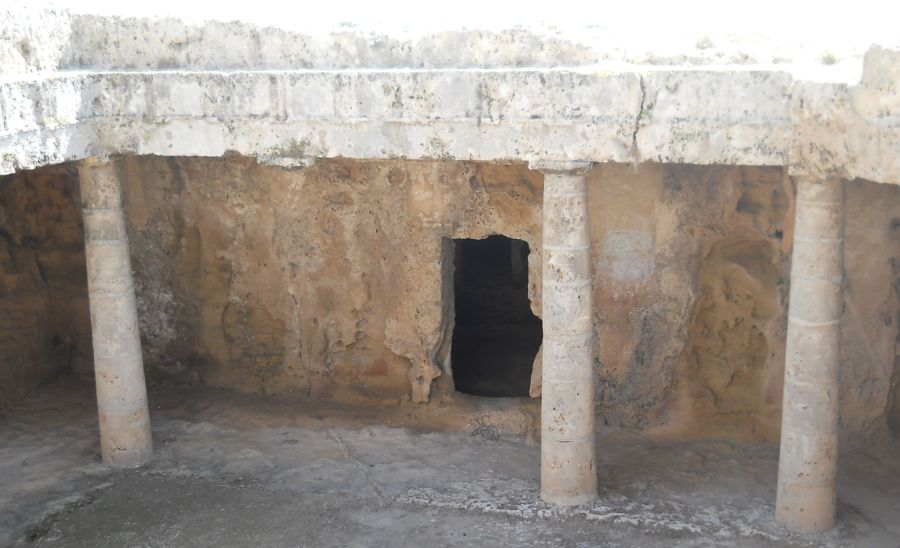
<point x="236" y="470"/>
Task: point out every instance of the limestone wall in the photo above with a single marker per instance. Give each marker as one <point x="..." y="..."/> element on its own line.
<point x="44" y="320"/>
<point x="324" y="281"/>
<point x="327" y="281"/>
<point x="330" y="281"/>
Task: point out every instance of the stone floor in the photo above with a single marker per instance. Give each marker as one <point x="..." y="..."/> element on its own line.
<point x="237" y="470"/>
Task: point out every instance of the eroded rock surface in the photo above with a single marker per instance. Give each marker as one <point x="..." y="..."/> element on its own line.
<point x="335" y="281"/>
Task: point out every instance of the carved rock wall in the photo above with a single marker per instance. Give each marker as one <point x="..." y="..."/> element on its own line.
<point x="44" y="318"/>
<point x="333" y="281"/>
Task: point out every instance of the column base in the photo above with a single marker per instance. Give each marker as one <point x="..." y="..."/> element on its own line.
<point x="125" y="438"/>
<point x="568" y="500"/>
<point x="806" y="508"/>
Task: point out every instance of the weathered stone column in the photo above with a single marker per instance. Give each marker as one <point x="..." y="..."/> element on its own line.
<point x="125" y="438"/>
<point x="807" y="468"/>
<point x="568" y="454"/>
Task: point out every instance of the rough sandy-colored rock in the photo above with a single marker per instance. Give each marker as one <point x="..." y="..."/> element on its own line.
<point x="44" y="319"/>
<point x="329" y="281"/>
<point x="242" y="273"/>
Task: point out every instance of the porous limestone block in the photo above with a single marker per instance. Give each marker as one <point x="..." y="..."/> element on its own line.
<point x="125" y="436"/>
<point x="807" y="467"/>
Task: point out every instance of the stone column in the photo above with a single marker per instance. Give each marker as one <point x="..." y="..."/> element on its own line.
<point x="125" y="438"/>
<point x="568" y="454"/>
<point x="807" y="467"/>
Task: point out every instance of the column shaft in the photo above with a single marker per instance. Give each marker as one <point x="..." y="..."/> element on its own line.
<point x="807" y="467"/>
<point x="125" y="438"/>
<point x="568" y="453"/>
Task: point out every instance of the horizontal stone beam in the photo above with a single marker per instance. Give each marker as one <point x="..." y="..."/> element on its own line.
<point x="464" y="114"/>
<point x="626" y="114"/>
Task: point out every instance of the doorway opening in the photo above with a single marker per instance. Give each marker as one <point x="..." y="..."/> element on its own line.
<point x="496" y="336"/>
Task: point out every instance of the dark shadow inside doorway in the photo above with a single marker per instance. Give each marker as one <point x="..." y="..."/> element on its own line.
<point x="496" y="336"/>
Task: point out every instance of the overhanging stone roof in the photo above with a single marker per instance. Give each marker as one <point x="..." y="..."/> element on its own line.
<point x="79" y="86"/>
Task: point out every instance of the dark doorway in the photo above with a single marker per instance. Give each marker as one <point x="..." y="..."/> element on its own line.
<point x="495" y="337"/>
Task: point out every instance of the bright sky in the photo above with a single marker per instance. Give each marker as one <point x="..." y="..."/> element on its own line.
<point x="844" y="27"/>
<point x="781" y="18"/>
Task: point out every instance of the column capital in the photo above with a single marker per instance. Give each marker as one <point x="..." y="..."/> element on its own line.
<point x="97" y="160"/>
<point x="91" y="161"/>
<point x="289" y="162"/>
<point x="811" y="189"/>
<point x="100" y="182"/>
<point x="564" y="167"/>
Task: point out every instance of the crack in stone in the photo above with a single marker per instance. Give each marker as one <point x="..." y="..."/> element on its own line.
<point x="345" y="451"/>
<point x="635" y="155"/>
